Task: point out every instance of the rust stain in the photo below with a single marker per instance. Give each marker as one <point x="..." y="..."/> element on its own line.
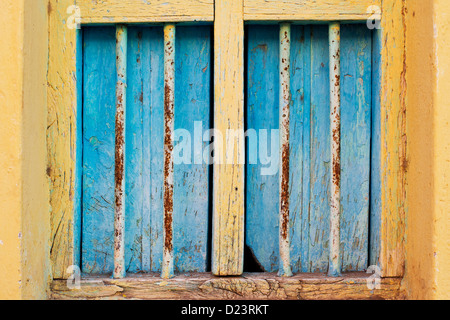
<point x="284" y="196"/>
<point x="168" y="169"/>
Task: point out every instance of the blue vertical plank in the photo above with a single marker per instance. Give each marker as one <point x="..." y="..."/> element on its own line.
<point x="375" y="178"/>
<point x="320" y="151"/>
<point x="356" y="86"/>
<point x="299" y="142"/>
<point x="154" y="119"/>
<point x="191" y="179"/>
<point x="145" y="77"/>
<point x="306" y="178"/>
<point x="262" y="192"/>
<point x="98" y="149"/>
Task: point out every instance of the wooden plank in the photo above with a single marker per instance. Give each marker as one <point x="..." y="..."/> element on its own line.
<point x="145" y="143"/>
<point x="319" y="215"/>
<point x="356" y="95"/>
<point x="228" y="193"/>
<point x="300" y="146"/>
<point x="169" y="124"/>
<point x="256" y="286"/>
<point x="262" y="190"/>
<point x="303" y="43"/>
<point x="120" y="150"/>
<point x="193" y="107"/>
<point x="284" y="123"/>
<point x="375" y="174"/>
<point x="334" y="243"/>
<point x="317" y="10"/>
<point x="98" y="149"/>
<point x="393" y="138"/>
<point x="63" y="146"/>
<point x="137" y="11"/>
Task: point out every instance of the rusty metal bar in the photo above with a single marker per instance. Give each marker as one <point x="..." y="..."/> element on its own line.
<point x="335" y="124"/>
<point x="119" y="174"/>
<point x="169" y="104"/>
<point x="285" y="100"/>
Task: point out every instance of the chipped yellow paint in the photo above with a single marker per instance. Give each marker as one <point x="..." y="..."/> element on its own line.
<point x="428" y="194"/>
<point x="393" y="138"/>
<point x="319" y="10"/>
<point x="24" y="213"/>
<point x="441" y="152"/>
<point x="61" y="134"/>
<point x="138" y="11"/>
<point x="228" y="193"/>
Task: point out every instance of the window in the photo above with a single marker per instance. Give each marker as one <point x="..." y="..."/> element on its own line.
<point x="199" y="218"/>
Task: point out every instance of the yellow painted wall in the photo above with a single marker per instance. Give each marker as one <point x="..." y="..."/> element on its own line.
<point x="441" y="126"/>
<point x="11" y="79"/>
<point x="24" y="209"/>
<point x="428" y="133"/>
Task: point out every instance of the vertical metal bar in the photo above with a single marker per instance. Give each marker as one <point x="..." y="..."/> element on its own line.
<point x="335" y="123"/>
<point x="169" y="103"/>
<point x="119" y="175"/>
<point x="285" y="100"/>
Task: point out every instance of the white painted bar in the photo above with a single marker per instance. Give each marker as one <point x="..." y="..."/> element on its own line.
<point x="335" y="130"/>
<point x="169" y="105"/>
<point x="119" y="174"/>
<point x="285" y="100"/>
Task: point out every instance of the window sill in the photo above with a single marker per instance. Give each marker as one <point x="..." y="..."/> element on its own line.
<point x="251" y="286"/>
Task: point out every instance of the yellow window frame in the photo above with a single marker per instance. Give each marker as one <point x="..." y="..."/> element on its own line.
<point x="228" y="17"/>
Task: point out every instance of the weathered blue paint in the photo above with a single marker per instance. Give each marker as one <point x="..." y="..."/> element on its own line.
<point x="301" y="150"/>
<point x="192" y="104"/>
<point x="310" y="147"/>
<point x="99" y="103"/>
<point x="319" y="214"/>
<point x="145" y="141"/>
<point x="144" y="156"/>
<point x="262" y="203"/>
<point x="375" y="178"/>
<point x="356" y="88"/>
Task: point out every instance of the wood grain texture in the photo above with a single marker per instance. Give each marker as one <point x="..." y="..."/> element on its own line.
<point x="263" y="286"/>
<point x="228" y="194"/>
<point x="193" y="104"/>
<point x="145" y="143"/>
<point x="138" y="11"/>
<point x="63" y="110"/>
<point x="99" y="109"/>
<point x="375" y="169"/>
<point x="309" y="147"/>
<point x="356" y="95"/>
<point x="318" y="10"/>
<point x="394" y="162"/>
